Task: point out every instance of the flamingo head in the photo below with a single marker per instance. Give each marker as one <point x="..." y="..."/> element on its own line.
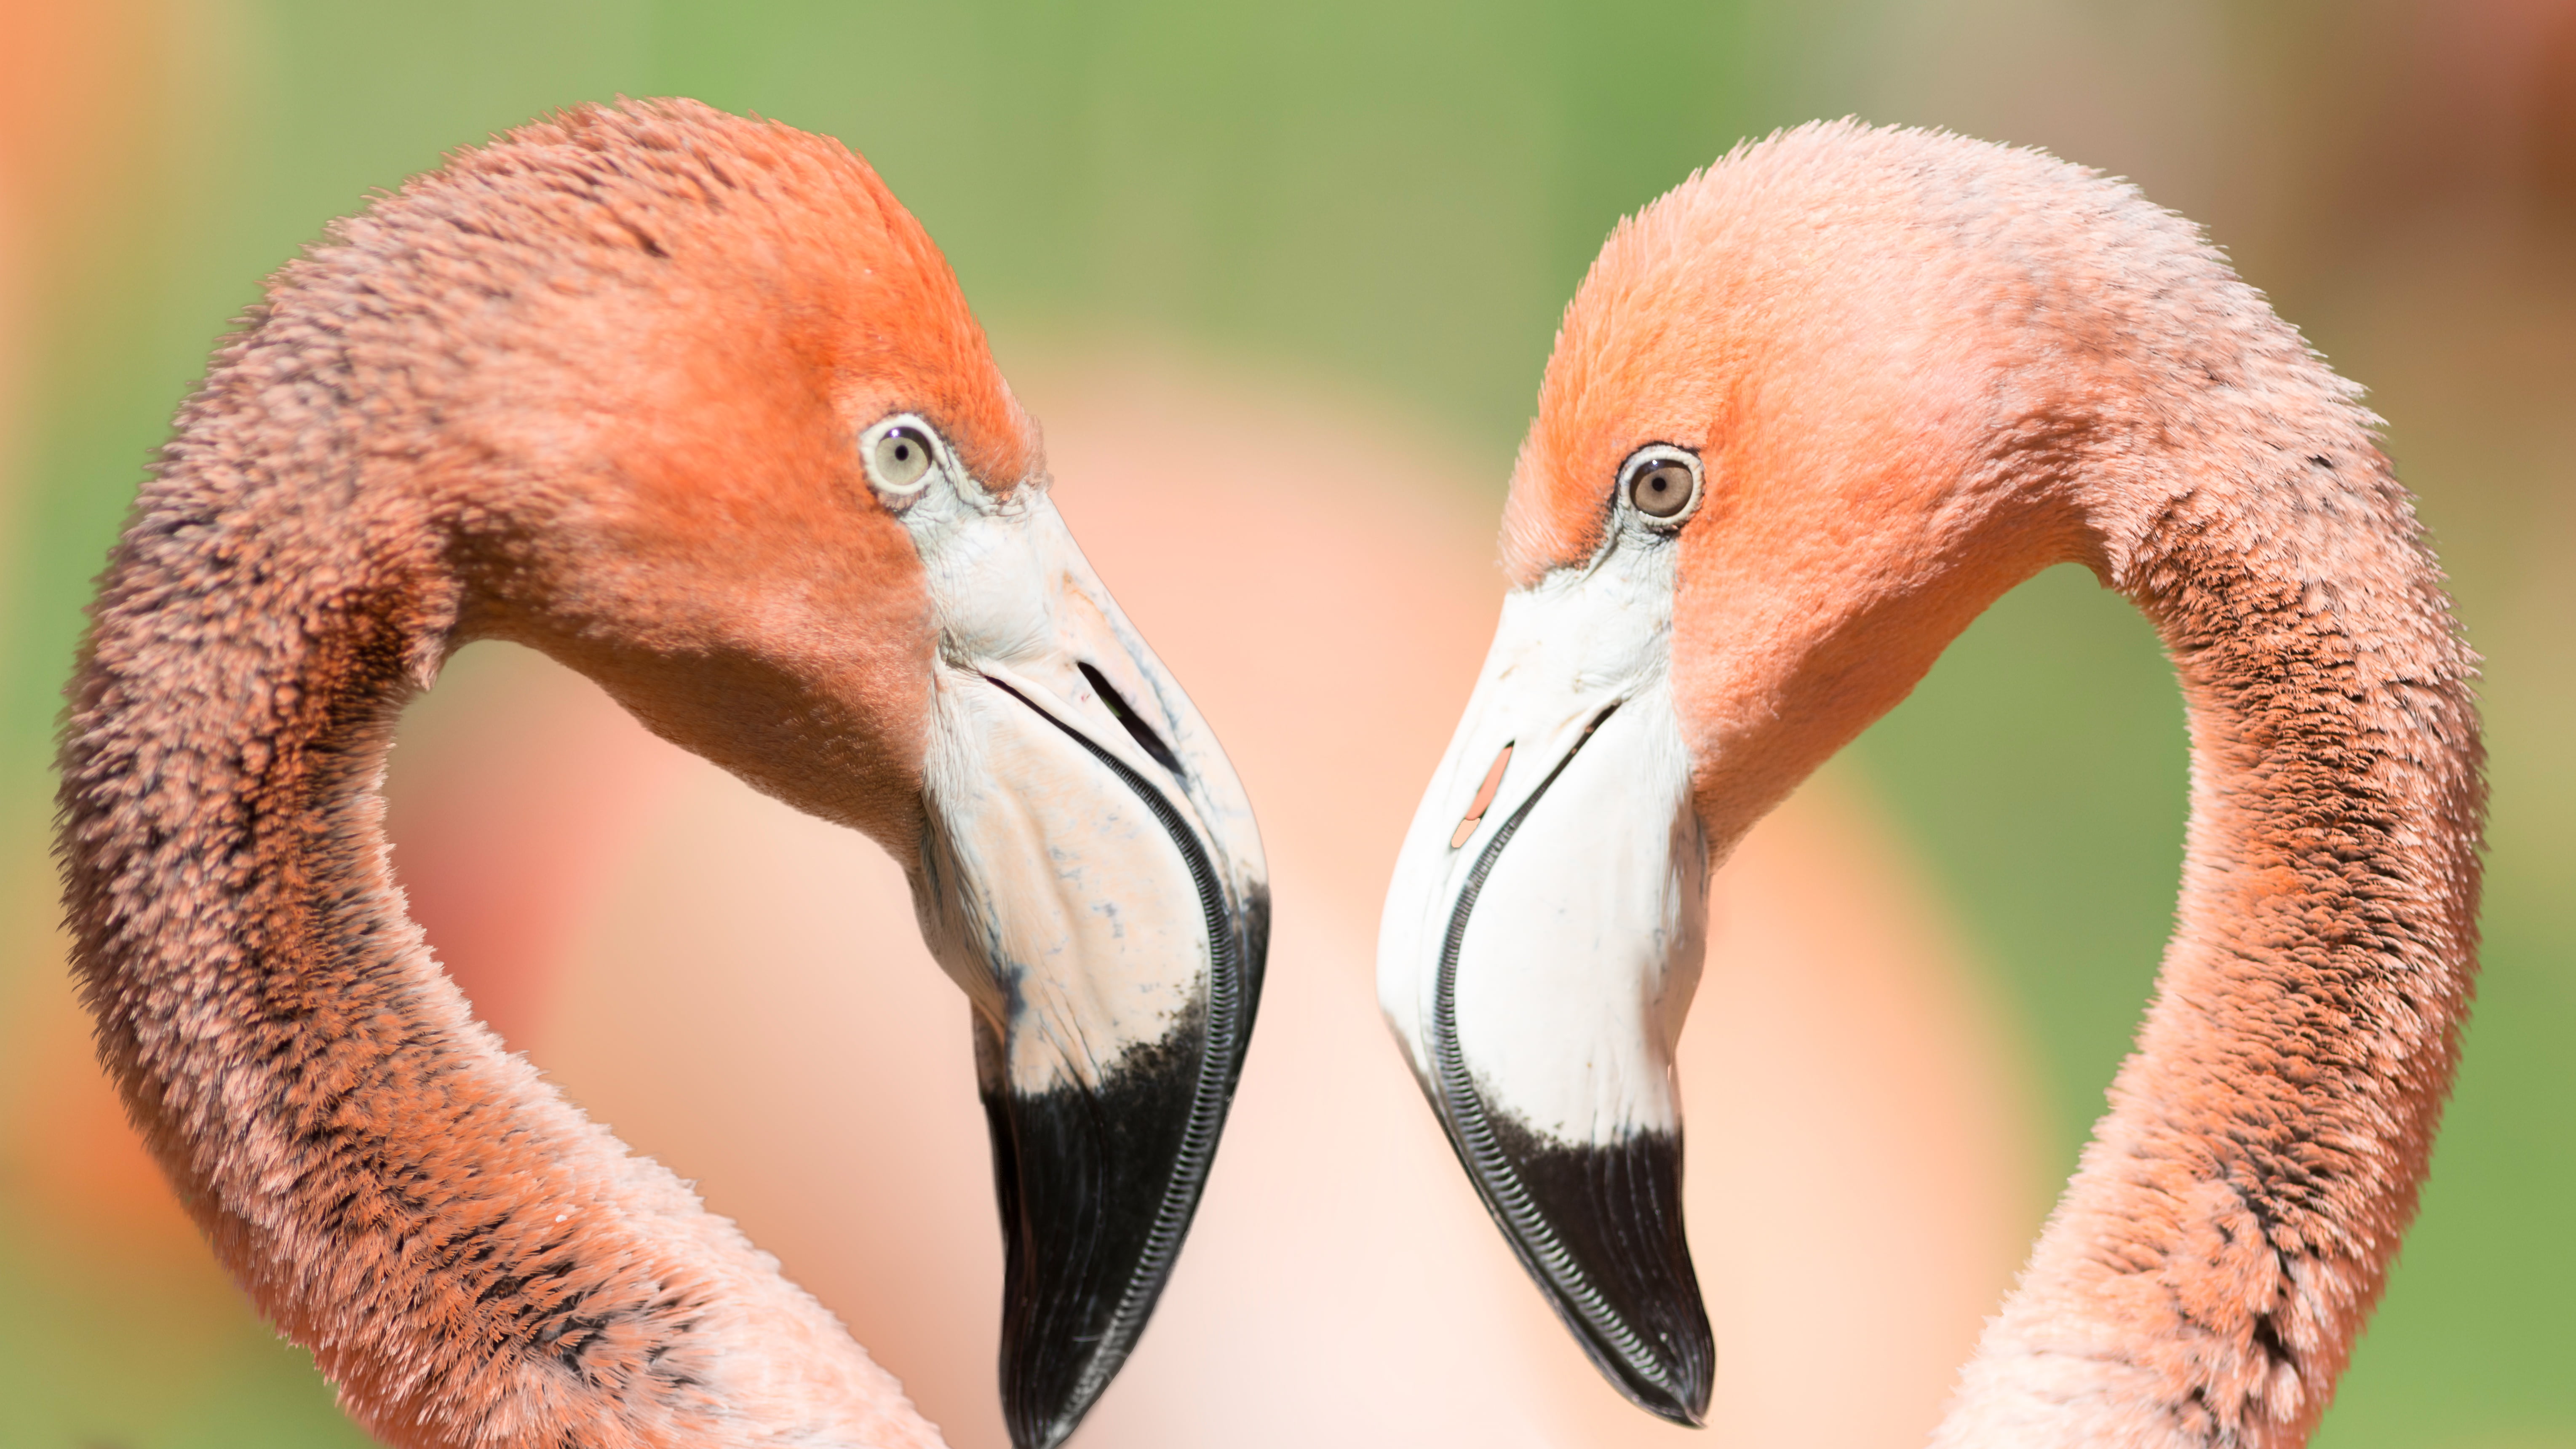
<point x="739" y="452"/>
<point x="1772" y="474"/>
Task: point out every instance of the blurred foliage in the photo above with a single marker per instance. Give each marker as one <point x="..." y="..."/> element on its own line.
<point x="1403" y="195"/>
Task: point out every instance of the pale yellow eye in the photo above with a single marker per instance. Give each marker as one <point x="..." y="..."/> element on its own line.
<point x="1662" y="490"/>
<point x="901" y="457"/>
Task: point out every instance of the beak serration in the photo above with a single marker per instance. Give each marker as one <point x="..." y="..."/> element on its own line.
<point x="1097" y="1186"/>
<point x="1598" y="1226"/>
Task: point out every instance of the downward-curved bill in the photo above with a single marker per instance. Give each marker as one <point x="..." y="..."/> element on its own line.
<point x="1541" y="941"/>
<point x="1091" y="876"/>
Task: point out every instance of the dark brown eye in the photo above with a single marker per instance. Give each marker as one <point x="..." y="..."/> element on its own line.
<point x="1663" y="482"/>
<point x="899" y="459"/>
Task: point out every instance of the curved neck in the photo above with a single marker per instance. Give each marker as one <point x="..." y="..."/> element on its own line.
<point x="470" y="1259"/>
<point x="2206" y="1274"/>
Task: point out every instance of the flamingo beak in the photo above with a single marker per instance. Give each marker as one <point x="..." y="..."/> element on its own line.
<point x="1090" y="874"/>
<point x="1542" y="938"/>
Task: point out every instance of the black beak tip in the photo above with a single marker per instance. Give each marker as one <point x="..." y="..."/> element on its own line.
<point x="1600" y="1230"/>
<point x="1680" y="1361"/>
<point x="1048" y="1387"/>
<point x="1087" y="1211"/>
<point x="1044" y="1427"/>
<point x="1096" y="1188"/>
<point x="1682" y="1399"/>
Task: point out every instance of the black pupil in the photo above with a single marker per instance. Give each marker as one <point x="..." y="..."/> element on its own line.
<point x="902" y="451"/>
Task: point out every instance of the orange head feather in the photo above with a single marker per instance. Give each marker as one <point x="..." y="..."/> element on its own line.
<point x="619" y="360"/>
<point x="1895" y="351"/>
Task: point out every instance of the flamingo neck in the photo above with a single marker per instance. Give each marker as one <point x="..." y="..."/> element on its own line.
<point x="2205" y="1276"/>
<point x="472" y="1261"/>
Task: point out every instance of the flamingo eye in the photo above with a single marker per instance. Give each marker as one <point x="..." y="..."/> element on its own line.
<point x="1662" y="483"/>
<point x="900" y="459"/>
<point x="1661" y="492"/>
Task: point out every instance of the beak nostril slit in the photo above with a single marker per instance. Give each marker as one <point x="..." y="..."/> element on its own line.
<point x="1484" y="799"/>
<point x="1141" y="732"/>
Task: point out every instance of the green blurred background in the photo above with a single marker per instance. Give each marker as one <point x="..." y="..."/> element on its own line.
<point x="1400" y="196"/>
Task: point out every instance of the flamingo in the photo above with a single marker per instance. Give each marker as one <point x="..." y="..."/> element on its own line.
<point x="691" y="404"/>
<point x="1807" y="416"/>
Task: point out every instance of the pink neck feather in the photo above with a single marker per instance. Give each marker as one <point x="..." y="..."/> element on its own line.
<point x="2206" y="1274"/>
<point x="471" y="1260"/>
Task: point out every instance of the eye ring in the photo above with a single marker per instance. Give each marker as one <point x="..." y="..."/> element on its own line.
<point x="1661" y="484"/>
<point x="902" y="454"/>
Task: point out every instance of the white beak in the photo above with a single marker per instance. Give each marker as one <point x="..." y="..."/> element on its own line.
<point x="1542" y="938"/>
<point x="1092" y="877"/>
